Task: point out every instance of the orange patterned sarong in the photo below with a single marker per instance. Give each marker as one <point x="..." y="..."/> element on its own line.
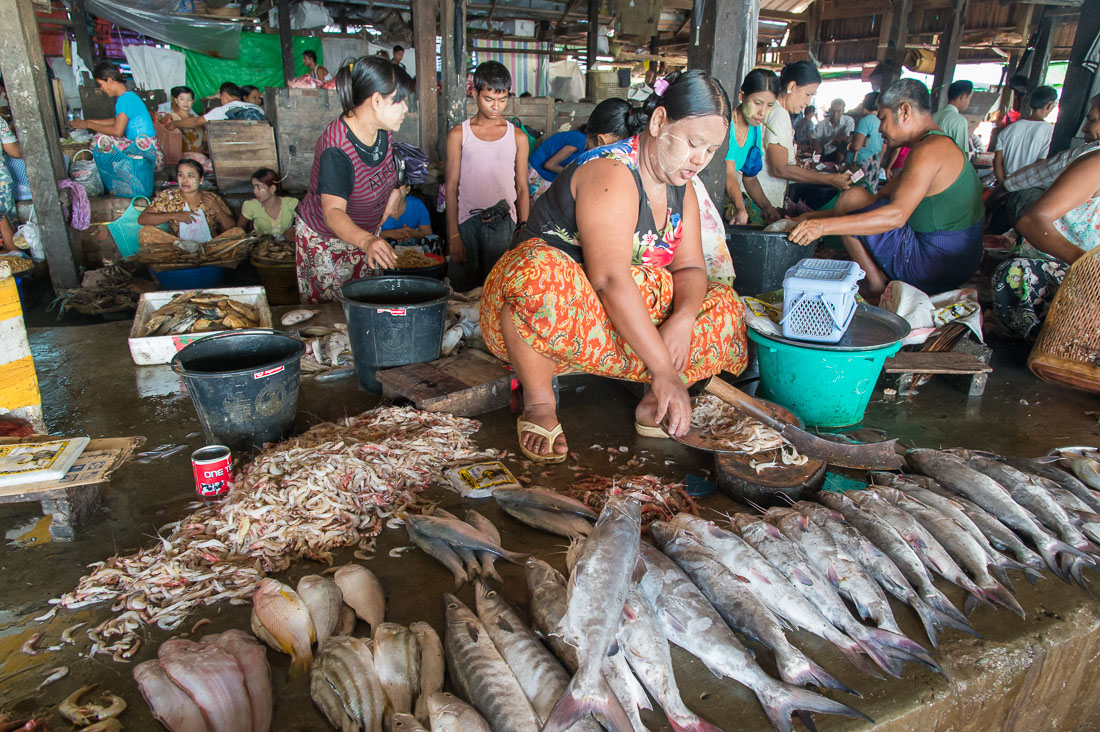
<point x="556" y="311"/>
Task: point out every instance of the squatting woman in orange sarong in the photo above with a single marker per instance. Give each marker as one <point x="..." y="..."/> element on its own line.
<point x="609" y="277"/>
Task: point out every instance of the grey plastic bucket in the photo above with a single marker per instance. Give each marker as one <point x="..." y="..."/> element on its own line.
<point x="393" y="321"/>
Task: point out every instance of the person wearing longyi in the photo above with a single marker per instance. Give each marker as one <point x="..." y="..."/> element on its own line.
<point x="745" y="156"/>
<point x="609" y="276"/>
<point x="925" y="226"/>
<point x="202" y="214"/>
<point x="130" y="132"/>
<point x="353" y="186"/>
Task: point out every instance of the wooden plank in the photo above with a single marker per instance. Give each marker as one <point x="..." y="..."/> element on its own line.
<point x="286" y="42"/>
<point x="84" y="47"/>
<point x="237" y="149"/>
<point x="947" y="54"/>
<point x="1073" y="106"/>
<point x="931" y="362"/>
<point x="1048" y="21"/>
<point x="427" y="99"/>
<point x="24" y="70"/>
<point x="466" y="384"/>
<point x="895" y="47"/>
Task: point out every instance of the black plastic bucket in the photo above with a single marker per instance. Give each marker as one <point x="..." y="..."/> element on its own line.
<point x="244" y="385"/>
<point x="393" y="321"/>
<point x="761" y="258"/>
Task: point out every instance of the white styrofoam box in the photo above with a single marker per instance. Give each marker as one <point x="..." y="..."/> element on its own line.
<point x="525" y="28"/>
<point x="151" y="350"/>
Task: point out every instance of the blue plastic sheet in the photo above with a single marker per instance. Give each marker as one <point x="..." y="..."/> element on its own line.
<point x="156" y="18"/>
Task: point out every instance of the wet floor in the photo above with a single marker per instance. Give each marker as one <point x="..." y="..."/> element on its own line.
<point x="90" y="386"/>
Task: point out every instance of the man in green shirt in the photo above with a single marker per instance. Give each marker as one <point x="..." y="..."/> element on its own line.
<point x="924" y="227"/>
<point x="950" y="119"/>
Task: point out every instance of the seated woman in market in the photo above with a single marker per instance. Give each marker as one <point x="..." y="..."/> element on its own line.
<point x="10" y="145"/>
<point x="190" y="213"/>
<point x="353" y="186"/>
<point x="609" y="276"/>
<point x="925" y="226"/>
<point x="1060" y="227"/>
<point x="268" y="212"/>
<point x="129" y="133"/>
<point x="745" y="158"/>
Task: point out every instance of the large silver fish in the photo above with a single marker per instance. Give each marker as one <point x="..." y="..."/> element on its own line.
<point x="1085" y="467"/>
<point x="362" y="592"/>
<point x="879" y="566"/>
<point x="212" y="678"/>
<point x="397" y="663"/>
<point x="546" y="510"/>
<point x="847" y="575"/>
<point x="441" y="552"/>
<point x="486" y="559"/>
<point x="688" y="620"/>
<point x="252" y="658"/>
<point x="282" y="620"/>
<point x="325" y="601"/>
<point x="1045" y="468"/>
<point x="547" y="599"/>
<point x="737" y="603"/>
<point x="171" y="706"/>
<point x="888" y="650"/>
<point x="770" y="585"/>
<point x="470" y="558"/>
<point x="956" y="475"/>
<point x="432" y="667"/>
<point x="480" y="673"/>
<point x="459" y="534"/>
<point x="343" y="683"/>
<point x="646" y="649"/>
<point x="450" y="714"/>
<point x="597" y="590"/>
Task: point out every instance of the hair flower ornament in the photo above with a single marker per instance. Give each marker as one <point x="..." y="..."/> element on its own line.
<point x="660" y="87"/>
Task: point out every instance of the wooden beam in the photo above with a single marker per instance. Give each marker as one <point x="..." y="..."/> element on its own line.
<point x="947" y="54"/>
<point x="1041" y="52"/>
<point x="84" y="47"/>
<point x="592" y="45"/>
<point x="568" y="9"/>
<point x="1073" y="106"/>
<point x="24" y="69"/>
<point x="895" y="46"/>
<point x="452" y="28"/>
<point x="813" y="30"/>
<point x="766" y="14"/>
<point x="492" y="9"/>
<point x="285" y="40"/>
<point x="427" y="99"/>
<point x="721" y="37"/>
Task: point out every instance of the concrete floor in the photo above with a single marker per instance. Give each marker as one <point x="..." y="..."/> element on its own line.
<point x="90" y="386"/>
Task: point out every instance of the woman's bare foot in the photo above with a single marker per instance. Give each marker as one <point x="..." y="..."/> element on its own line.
<point x="645" y="413"/>
<point x="545" y="416"/>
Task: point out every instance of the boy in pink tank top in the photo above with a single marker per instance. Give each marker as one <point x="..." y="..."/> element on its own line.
<point x="486" y="181"/>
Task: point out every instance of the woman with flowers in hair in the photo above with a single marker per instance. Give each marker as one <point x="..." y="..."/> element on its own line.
<point x="609" y="277"/>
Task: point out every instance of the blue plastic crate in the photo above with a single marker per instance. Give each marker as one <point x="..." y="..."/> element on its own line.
<point x="819" y="299"/>
<point x="190" y="278"/>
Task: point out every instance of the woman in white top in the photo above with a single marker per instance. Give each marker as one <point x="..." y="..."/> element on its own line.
<point x="798" y="83"/>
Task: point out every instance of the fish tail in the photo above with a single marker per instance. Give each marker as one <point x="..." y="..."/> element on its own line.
<point x="853" y="651"/>
<point x="999" y="572"/>
<point x="934" y="621"/>
<point x="780" y="701"/>
<point x="575" y="704"/>
<point x="890" y="650"/>
<point x="1049" y="552"/>
<point x="939" y="601"/>
<point x="798" y="669"/>
<point x="514" y="557"/>
<point x="1073" y="567"/>
<point x="300" y="664"/>
<point x="695" y="724"/>
<point x="997" y="593"/>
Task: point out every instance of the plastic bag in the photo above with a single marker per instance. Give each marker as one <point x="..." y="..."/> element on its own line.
<point x="27" y="237"/>
<point x="197" y="229"/>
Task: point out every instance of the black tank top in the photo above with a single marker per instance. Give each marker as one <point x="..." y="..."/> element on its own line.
<point x="553" y="217"/>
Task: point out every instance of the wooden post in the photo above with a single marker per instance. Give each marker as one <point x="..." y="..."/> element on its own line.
<point x="722" y="36"/>
<point x="1023" y="27"/>
<point x="592" y="46"/>
<point x="80" y="30"/>
<point x="1073" y="105"/>
<point x="452" y="28"/>
<point x="286" y="40"/>
<point x="427" y="100"/>
<point x="886" y="23"/>
<point x="813" y="30"/>
<point x="947" y="53"/>
<point x="1040" y="59"/>
<point x="895" y="47"/>
<point x="24" y="70"/>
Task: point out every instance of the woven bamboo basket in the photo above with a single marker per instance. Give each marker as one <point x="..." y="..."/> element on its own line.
<point x="1068" y="349"/>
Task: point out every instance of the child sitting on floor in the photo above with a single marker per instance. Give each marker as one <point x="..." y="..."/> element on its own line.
<point x="486" y="181"/>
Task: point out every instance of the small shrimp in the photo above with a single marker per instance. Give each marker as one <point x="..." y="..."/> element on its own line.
<point x="58" y="673"/>
<point x="67" y="634"/>
<point x="29" y="648"/>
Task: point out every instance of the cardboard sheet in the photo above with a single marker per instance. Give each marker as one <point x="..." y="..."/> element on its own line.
<point x="95" y="465"/>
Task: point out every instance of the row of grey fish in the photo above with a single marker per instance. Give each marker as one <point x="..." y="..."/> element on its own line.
<point x="382" y="683"/>
<point x="293" y="620"/>
<point x="467" y="548"/>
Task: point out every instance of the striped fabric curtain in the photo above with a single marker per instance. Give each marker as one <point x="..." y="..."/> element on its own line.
<point x="524" y="67"/>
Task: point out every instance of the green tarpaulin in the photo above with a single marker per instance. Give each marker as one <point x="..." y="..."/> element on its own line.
<point x="260" y="63"/>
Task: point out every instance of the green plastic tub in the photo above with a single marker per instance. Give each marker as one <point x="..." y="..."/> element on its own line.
<point x="825" y="387"/>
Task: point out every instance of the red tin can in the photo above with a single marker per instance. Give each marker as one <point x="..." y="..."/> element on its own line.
<point x="212" y="468"/>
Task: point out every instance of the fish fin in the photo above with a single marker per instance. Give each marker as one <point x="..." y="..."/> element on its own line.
<point x="761" y="578"/>
<point x="781" y="700"/>
<point x="798" y="669"/>
<point x="854" y="653"/>
<point x="639" y="571"/>
<point x="800" y="576"/>
<point x="1073" y="567"/>
<point x="1000" y="595"/>
<point x="831" y="573"/>
<point x="514" y="557"/>
<point x="613" y="649"/>
<point x="971" y="604"/>
<point x="299" y="667"/>
<point x="999" y="573"/>
<point x="472" y="630"/>
<point x="697" y="724"/>
<point x="505" y="625"/>
<point x="934" y="621"/>
<point x="574" y="706"/>
<point x="940" y="602"/>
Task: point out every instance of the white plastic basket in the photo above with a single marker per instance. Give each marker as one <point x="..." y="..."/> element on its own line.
<point x="819" y="299"/>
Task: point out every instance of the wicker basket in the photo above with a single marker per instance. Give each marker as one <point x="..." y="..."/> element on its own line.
<point x="1068" y="349"/>
<point x="280" y="281"/>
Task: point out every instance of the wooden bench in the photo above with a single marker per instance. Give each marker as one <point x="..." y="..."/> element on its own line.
<point x="908" y="364"/>
<point x="467" y="384"/>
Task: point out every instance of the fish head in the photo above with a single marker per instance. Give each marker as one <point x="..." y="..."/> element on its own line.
<point x="539" y="573"/>
<point x="662" y="532"/>
<point x="485" y="597"/>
